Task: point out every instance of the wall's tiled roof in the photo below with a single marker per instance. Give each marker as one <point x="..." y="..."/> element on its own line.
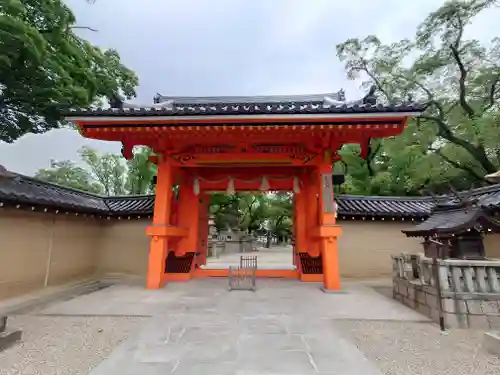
<point x="25" y="191"/>
<point x="30" y="191"/>
<point x="133" y="205"/>
<point x="384" y="206"/>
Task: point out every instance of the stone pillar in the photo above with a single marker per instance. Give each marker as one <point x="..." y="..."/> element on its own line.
<point x="212" y="237"/>
<point x="159" y="230"/>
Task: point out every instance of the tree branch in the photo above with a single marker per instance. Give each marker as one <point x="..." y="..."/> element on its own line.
<point x="476" y="152"/>
<point x="372" y="76"/>
<point x="456" y="164"/>
<point x="491" y="97"/>
<point x="430" y="95"/>
<point x="84" y="27"/>
<point x="461" y="82"/>
<point x="369" y="158"/>
<point x="463" y="72"/>
<point x="48" y="31"/>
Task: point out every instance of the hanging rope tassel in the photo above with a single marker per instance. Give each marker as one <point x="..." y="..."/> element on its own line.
<point x="196" y="186"/>
<point x="264" y="186"/>
<point x="296" y="184"/>
<point x="230" y="187"/>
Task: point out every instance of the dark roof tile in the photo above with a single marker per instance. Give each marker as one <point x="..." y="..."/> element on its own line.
<point x="133" y="205"/>
<point x="384" y="206"/>
<point x="27" y="190"/>
<point x="245" y="108"/>
<point x="18" y="189"/>
<point x="444" y="222"/>
<point x="333" y="103"/>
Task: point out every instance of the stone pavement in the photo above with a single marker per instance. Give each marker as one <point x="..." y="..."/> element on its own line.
<point x="276" y="257"/>
<point x="199" y="327"/>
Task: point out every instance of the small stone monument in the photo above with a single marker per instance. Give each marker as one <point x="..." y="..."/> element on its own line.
<point x="212" y="237"/>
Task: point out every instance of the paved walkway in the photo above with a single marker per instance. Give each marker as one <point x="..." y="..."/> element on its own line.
<point x="199" y="327"/>
<point x="276" y="257"/>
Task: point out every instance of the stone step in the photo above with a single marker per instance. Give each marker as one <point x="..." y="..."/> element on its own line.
<point x="491" y="342"/>
<point x="8" y="338"/>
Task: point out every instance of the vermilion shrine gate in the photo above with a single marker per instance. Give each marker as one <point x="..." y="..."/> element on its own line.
<point x="279" y="143"/>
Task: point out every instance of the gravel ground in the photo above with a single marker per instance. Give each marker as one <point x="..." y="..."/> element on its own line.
<point x="63" y="345"/>
<point x="408" y="348"/>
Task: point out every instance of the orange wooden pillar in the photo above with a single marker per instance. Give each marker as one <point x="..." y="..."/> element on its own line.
<point x="202" y="246"/>
<point x="327" y="231"/>
<point x="160" y="229"/>
<point x="188" y="217"/>
<point x="311" y="213"/>
<point x="294" y="231"/>
<point x="300" y="227"/>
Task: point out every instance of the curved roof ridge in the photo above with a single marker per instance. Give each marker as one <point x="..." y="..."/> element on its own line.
<point x="159" y="98"/>
<point x="386" y="197"/>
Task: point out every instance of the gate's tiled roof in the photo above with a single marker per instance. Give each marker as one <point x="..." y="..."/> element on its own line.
<point x="270" y="108"/>
<point x="328" y="103"/>
<point x="30" y="192"/>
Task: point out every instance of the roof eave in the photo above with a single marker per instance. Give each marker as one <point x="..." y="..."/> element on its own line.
<point x="151" y="116"/>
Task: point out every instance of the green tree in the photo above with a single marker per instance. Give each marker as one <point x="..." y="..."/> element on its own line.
<point x="457" y="139"/>
<point x="140" y="172"/>
<point x="226" y="209"/>
<point x="106" y="174"/>
<point x="66" y="173"/>
<point x="45" y="68"/>
<point x="109" y="170"/>
<point x="254" y="211"/>
<point x="279" y="216"/>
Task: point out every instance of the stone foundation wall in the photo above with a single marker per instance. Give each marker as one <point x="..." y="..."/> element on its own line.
<point x="456" y="314"/>
<point x="473" y="302"/>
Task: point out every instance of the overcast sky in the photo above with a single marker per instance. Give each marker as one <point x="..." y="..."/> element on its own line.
<point x="229" y="47"/>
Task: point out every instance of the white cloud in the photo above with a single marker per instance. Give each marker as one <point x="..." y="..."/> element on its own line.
<point x="34" y="151"/>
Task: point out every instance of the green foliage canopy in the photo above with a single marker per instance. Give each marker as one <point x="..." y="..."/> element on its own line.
<point x="457" y="140"/>
<point x="46" y="68"/>
<point x="106" y="174"/>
